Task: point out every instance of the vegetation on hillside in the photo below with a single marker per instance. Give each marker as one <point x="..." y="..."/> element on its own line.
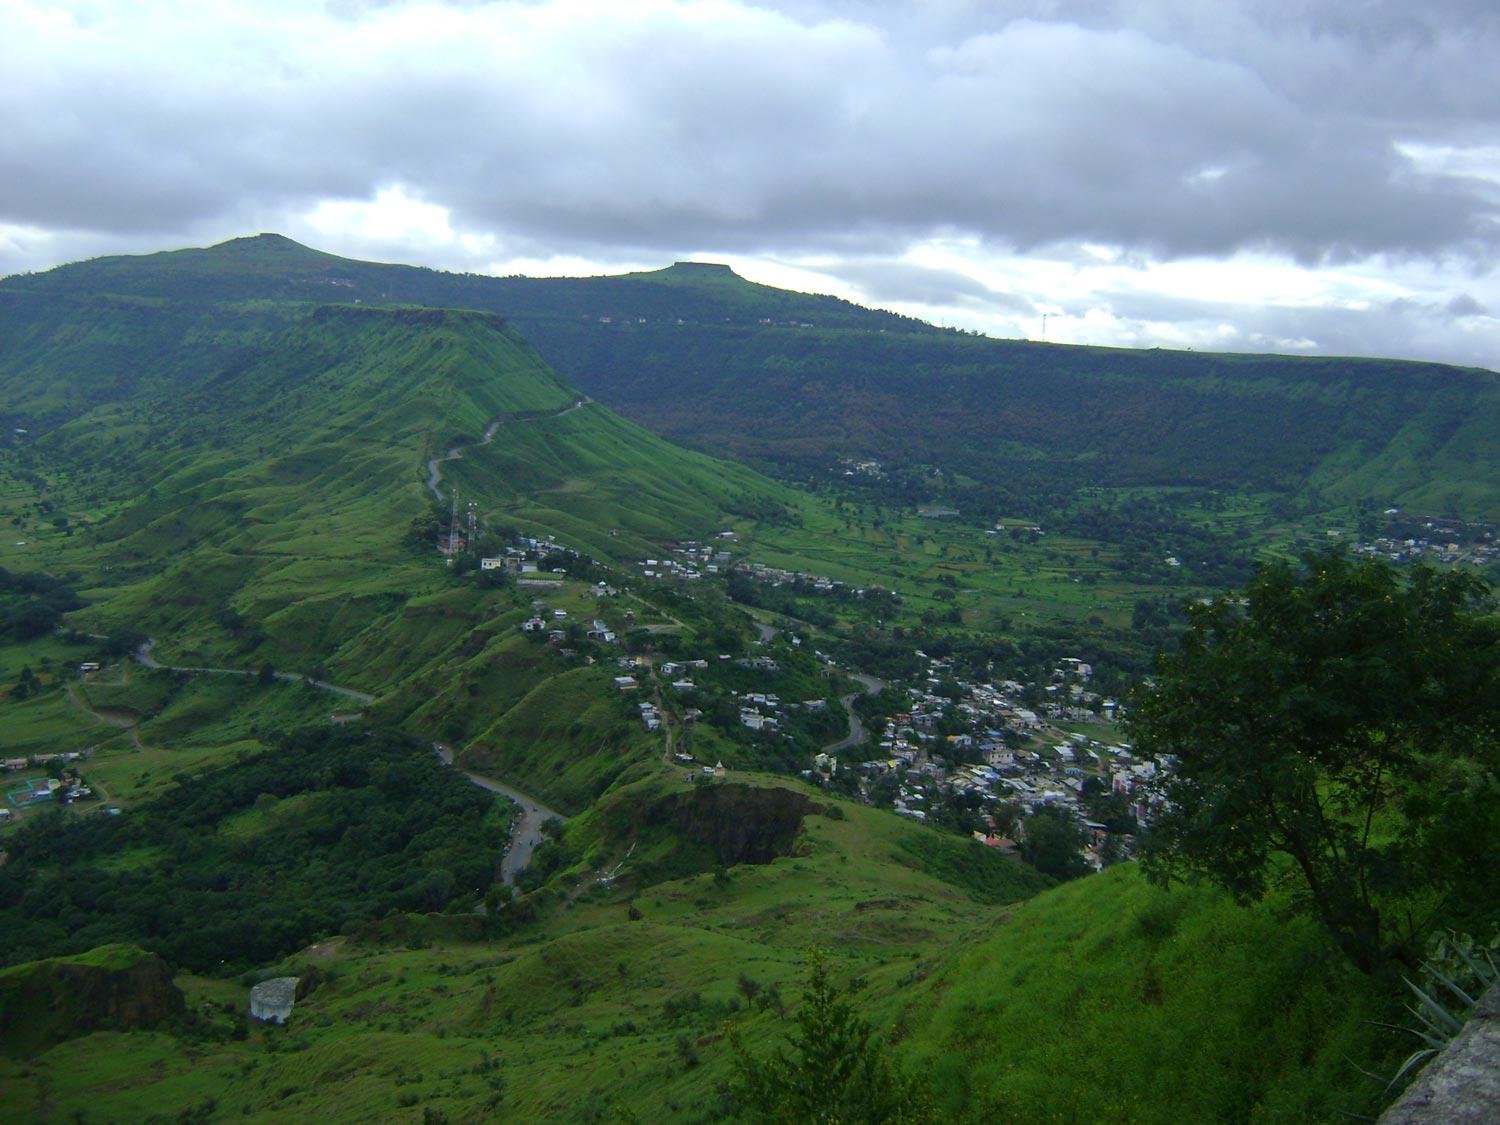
<point x="249" y="861"/>
<point x="223" y="451"/>
<point x="1347" y="722"/>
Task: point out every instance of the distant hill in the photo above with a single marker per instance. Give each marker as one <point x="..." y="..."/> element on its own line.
<point x="249" y="481"/>
<point x="791" y="383"/>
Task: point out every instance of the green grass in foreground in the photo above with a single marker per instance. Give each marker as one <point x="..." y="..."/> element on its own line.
<point x="1104" y="999"/>
<point x="1111" y="1000"/>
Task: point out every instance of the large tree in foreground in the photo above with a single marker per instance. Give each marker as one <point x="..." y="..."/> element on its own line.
<point x="1337" y="728"/>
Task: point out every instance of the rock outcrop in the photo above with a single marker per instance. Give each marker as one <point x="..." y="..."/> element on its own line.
<point x="112" y="988"/>
<point x="1462" y="1084"/>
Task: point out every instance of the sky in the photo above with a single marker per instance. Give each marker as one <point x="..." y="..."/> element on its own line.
<point x="1308" y="176"/>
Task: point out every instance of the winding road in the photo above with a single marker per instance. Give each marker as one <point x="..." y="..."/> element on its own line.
<point x="525" y="833"/>
<point x="871" y="684"/>
<point x="856" y="733"/>
<point x="143" y="654"/>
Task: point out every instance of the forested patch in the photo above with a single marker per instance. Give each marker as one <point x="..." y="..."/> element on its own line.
<point x="981" y="873"/>
<point x="32" y="604"/>
<point x="249" y="861"/>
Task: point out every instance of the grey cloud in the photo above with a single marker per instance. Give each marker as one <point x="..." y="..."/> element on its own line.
<point x="1465" y="305"/>
<point x="905" y="283"/>
<point x="1165" y="127"/>
<point x="1400" y="328"/>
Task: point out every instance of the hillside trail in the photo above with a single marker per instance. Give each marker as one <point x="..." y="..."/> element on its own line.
<point x="435" y="466"/>
<point x="109" y="718"/>
<point x="526" y="834"/>
<point x="673" y="624"/>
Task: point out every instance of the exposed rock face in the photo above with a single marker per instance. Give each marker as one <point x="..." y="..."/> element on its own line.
<point x="113" y="988"/>
<point x="740" y="823"/>
<point x="1462" y="1084"/>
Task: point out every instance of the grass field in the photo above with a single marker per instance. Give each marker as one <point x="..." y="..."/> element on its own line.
<point x="1116" y="988"/>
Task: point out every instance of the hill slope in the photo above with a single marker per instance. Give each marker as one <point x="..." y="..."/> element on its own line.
<point x="247" y="472"/>
<point x="793" y="382"/>
<point x="254" y="482"/>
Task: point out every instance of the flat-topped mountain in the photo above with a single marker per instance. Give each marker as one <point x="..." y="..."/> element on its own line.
<point x="793" y="383"/>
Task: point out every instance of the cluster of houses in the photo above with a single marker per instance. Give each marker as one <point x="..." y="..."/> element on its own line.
<point x="551" y="622"/>
<point x="1450" y="542"/>
<point x="688" y="561"/>
<point x="63" y="790"/>
<point x="760" y="711"/>
<point x="12" y="765"/>
<point x="1003" y="753"/>
<point x="523" y="557"/>
<point x="807" y="583"/>
<point x="851" y="467"/>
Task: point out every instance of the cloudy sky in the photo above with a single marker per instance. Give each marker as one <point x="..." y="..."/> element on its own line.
<point x="1291" y="175"/>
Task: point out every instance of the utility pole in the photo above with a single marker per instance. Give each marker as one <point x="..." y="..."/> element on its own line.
<point x="453" y="527"/>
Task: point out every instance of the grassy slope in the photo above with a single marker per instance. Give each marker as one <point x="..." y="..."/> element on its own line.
<point x="1155" y="1006"/>
<point x="253" y="507"/>
<point x="688" y="350"/>
<point x="1102" y="999"/>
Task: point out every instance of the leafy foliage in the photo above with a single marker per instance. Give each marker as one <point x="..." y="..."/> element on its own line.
<point x="33" y="604"/>
<point x="832" y="1070"/>
<point x="1348" y="721"/>
<point x="983" y="873"/>
<point x="1053" y="844"/>
<point x="252" y="860"/>
<point x="1455" y="973"/>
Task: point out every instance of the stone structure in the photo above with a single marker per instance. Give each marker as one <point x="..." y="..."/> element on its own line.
<point x="272" y="1000"/>
<point x="1461" y="1086"/>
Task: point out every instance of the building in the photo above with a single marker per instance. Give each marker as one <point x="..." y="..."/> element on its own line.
<point x="271" y="1000"/>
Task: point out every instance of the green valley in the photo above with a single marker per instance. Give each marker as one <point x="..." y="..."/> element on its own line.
<point x="310" y="562"/>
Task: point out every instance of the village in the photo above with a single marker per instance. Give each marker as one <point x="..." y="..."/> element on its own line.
<point x="982" y="760"/>
<point x="61" y="783"/>
<point x="1450" y="542"/>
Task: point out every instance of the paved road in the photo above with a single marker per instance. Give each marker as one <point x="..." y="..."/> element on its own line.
<point x="526" y="833"/>
<point x="143" y="654"/>
<point x="856" y="733"/>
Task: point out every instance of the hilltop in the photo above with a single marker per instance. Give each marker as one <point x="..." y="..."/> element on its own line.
<point x="795" y="384"/>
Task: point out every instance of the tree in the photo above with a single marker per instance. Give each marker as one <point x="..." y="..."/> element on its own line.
<point x="1053" y="844"/>
<point x="836" y="1070"/>
<point x="1337" y="729"/>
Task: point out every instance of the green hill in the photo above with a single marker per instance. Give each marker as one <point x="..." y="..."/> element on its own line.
<point x="250" y="482"/>
<point x="248" y="453"/>
<point x="792" y="382"/>
<point x="1103" y="998"/>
